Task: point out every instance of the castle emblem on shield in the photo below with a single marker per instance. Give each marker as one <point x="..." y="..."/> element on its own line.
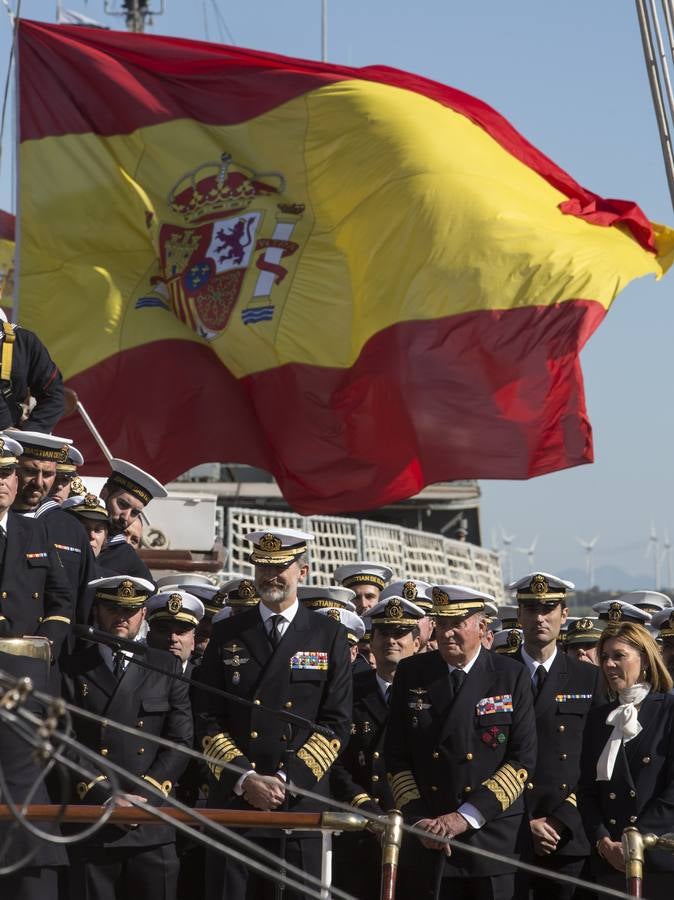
<point x="232" y="251"/>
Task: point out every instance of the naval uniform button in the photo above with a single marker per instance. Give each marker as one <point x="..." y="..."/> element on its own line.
<point x="288" y="704"/>
<point x="253" y="734"/>
<point x="375" y="755"/>
<point x="284" y="737"/>
<point x="103" y="751"/>
<point x="611" y="796"/>
<point x="562" y="756"/>
<point x="530" y="786"/>
<point x="36" y="596"/>
<point x="467" y="789"/>
<point x="375" y="779"/>
<point x="434" y="787"/>
<point x="611" y="821"/>
<point x="563" y="787"/>
<point x="633" y="819"/>
<point x="256" y="702"/>
<point x="633" y="793"/>
<point x="646" y="760"/>
<point x="4" y="595"/>
<point x="436" y="755"/>
<point x="140" y="751"/>
<point x="562" y="728"/>
<point x="469" y="756"/>
<point x="254" y="765"/>
<point x="139" y="723"/>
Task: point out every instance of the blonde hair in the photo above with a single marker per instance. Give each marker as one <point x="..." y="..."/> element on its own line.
<point x="637" y="636"/>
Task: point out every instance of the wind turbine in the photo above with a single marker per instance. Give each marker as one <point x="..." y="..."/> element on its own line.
<point x="507" y="551"/>
<point x="529" y="552"/>
<point x="666" y="557"/>
<point x="588" y="546"/>
<point x="653" y="550"/>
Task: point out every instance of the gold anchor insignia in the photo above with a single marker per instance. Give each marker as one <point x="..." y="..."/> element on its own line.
<point x="63" y="454"/>
<point x="514" y="638"/>
<point x="394" y="610"/>
<point x="410" y="591"/>
<point x="246" y="589"/>
<point x="334" y="614"/>
<point x="175" y="604"/>
<point x="126" y="590"/>
<point x="539" y="585"/>
<point x="270" y="543"/>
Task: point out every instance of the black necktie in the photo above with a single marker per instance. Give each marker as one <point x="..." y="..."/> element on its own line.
<point x="3" y="544"/>
<point x="540" y="676"/>
<point x="118" y="665"/>
<point x="387" y="695"/>
<point x="275" y="631"/>
<point x="457" y="677"/>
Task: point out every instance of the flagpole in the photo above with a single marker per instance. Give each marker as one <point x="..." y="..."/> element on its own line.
<point x="324" y="30"/>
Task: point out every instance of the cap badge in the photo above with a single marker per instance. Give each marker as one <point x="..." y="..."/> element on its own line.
<point x="539" y="585"/>
<point x="219" y="598"/>
<point x="410" y="590"/>
<point x="246" y="589"/>
<point x="175" y="604"/>
<point x="394" y="610"/>
<point x="514" y="638"/>
<point x="2" y="446"/>
<point x="584" y="625"/>
<point x="91" y="501"/>
<point x="615" y="612"/>
<point x="270" y="543"/>
<point x="77" y="487"/>
<point x="440" y="598"/>
<point x="127" y="590"/>
<point x="63" y="454"/>
<point x="334" y="614"/>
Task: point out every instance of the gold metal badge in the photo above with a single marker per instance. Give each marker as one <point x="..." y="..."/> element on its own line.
<point x="615" y="612"/>
<point x="394" y="610"/>
<point x="175" y="604"/>
<point x="584" y="624"/>
<point x="410" y="591"/>
<point x="270" y="543"/>
<point x="126" y="590"/>
<point x="539" y="585"/>
<point x="246" y="589"/>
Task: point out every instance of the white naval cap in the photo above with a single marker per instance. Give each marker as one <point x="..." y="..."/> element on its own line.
<point x="240" y="592"/>
<point x="490" y="609"/>
<point x="507" y="641"/>
<point x="175" y="606"/>
<point x="649" y="601"/>
<point x="395" y="611"/>
<point x="457" y="600"/>
<point x="418" y="592"/>
<point x="540" y="587"/>
<point x="363" y="572"/>
<point x="48" y="447"/>
<point x="663" y="621"/>
<point x="509" y="616"/>
<point x="184" y="580"/>
<point x="316" y="597"/>
<point x="614" y="611"/>
<point x="86" y="506"/>
<point x="72" y="462"/>
<point x="10" y="450"/>
<point x="222" y="614"/>
<point x="134" y="480"/>
<point x="278" y="546"/>
<point x="123" y="590"/>
<point x="355" y="627"/>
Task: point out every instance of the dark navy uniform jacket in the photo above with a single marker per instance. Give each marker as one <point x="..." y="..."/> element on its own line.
<point x="359" y="775"/>
<point x="120" y="558"/>
<point x="154" y="702"/>
<point x="477" y="747"/>
<point x="309" y="674"/>
<point x="32" y="370"/>
<point x="641" y="790"/>
<point x="561" y="711"/>
<point x="35" y="597"/>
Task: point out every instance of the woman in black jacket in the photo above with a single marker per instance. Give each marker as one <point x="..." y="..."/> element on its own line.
<point x="627" y="764"/>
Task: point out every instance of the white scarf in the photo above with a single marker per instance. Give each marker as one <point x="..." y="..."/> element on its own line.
<point x="626" y="726"/>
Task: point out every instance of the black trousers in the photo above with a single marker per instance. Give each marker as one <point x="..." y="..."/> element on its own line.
<point x="548" y="888"/>
<point x="228" y="879"/>
<point x="128" y="873"/>
<point x="490" y="887"/>
<point x="32" y="883"/>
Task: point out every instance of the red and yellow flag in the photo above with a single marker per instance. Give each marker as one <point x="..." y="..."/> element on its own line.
<point x="358" y="279"/>
<point x="7" y="248"/>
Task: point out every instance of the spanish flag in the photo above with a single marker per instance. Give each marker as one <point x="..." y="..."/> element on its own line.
<point x="7" y="249"/>
<point x="358" y="279"/>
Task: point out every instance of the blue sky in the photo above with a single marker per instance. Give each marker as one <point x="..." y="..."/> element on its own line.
<point x="571" y="77"/>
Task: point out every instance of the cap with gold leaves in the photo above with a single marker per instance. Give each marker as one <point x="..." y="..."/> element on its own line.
<point x="616" y="611"/>
<point x="72" y="461"/>
<point x="47" y="447"/>
<point x="355" y="627"/>
<point x="418" y="592"/>
<point x="87" y="506"/>
<point x="127" y="477"/>
<point x="541" y="588"/>
<point x="123" y="590"/>
<point x="318" y="597"/>
<point x="395" y="611"/>
<point x="363" y="572"/>
<point x="649" y="601"/>
<point x="240" y="592"/>
<point x="585" y="630"/>
<point x="280" y="547"/>
<point x="458" y="601"/>
<point x="664" y="622"/>
<point x="175" y="606"/>
<point x="507" y="642"/>
<point x="10" y="450"/>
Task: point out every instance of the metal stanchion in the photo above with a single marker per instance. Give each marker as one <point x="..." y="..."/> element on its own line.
<point x="390" y="851"/>
<point x="634" y="844"/>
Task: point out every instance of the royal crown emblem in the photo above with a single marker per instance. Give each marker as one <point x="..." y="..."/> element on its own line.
<point x="440" y="597"/>
<point x="127" y="590"/>
<point x="234" y="237"/>
<point x="62" y="456"/>
<point x="615" y="612"/>
<point x="334" y="614"/>
<point x="246" y="590"/>
<point x="2" y="446"/>
<point x="90" y="501"/>
<point x="539" y="585"/>
<point x="394" y="609"/>
<point x="175" y="604"/>
<point x="77" y="487"/>
<point x="514" y="639"/>
<point x="410" y="590"/>
<point x="584" y="624"/>
<point x="269" y="543"/>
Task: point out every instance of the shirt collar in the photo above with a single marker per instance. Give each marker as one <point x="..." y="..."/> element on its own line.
<point x="288" y="614"/>
<point x="532" y="664"/>
<point x="3" y="520"/>
<point x="383" y="685"/>
<point x="469" y="665"/>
